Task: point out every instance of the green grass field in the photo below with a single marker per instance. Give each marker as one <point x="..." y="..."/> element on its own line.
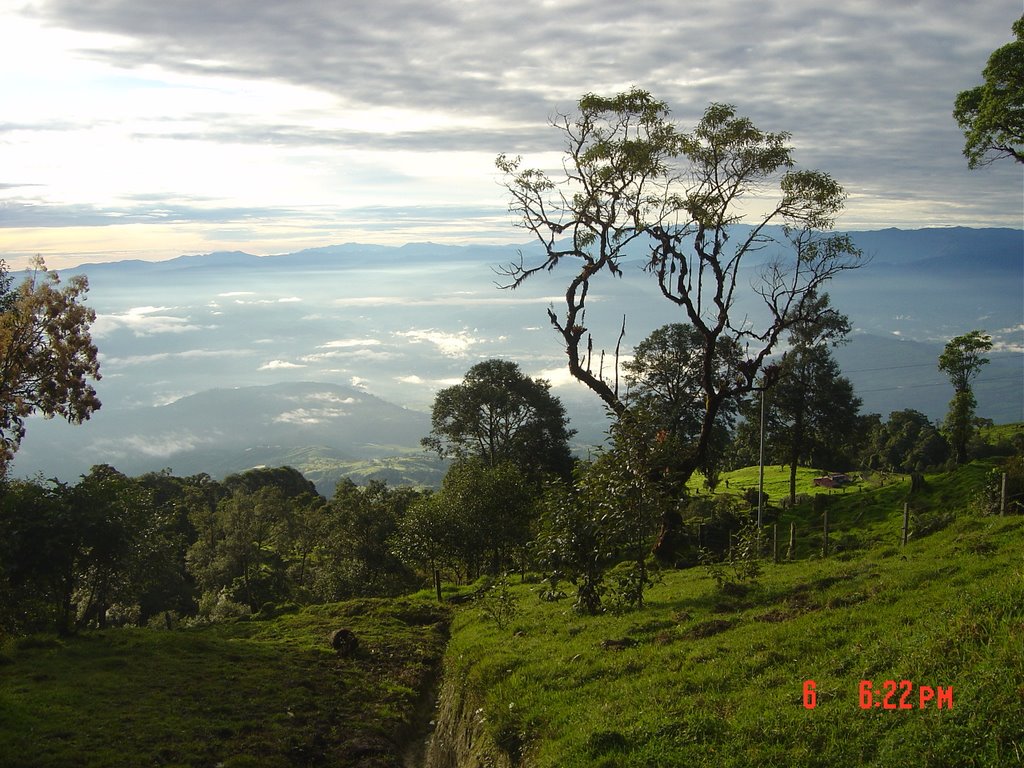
<point x="257" y="693"/>
<point x="776" y="482"/>
<point x="703" y="678"/>
<point x="698" y="677"/>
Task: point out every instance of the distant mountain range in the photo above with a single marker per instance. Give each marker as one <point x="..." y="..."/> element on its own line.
<point x="220" y="362"/>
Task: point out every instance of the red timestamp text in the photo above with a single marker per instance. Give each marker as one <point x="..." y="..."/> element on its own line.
<point x="904" y="695"/>
<point x="892" y="695"/>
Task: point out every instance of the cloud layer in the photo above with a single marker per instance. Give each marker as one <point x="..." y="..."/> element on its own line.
<point x="260" y="124"/>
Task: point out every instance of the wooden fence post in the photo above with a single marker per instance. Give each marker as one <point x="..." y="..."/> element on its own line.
<point x="791" y="552"/>
<point x="1002" y="497"/>
<point x="775" y="542"/>
<point x="824" y="546"/>
<point x="906" y="521"/>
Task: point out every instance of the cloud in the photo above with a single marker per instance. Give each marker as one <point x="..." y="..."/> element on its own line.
<point x="346" y="343"/>
<point x="448" y="344"/>
<point x="286" y="300"/>
<point x="381" y="120"/>
<point x="142" y="321"/>
<point x="187" y="354"/>
<point x="457" y="300"/>
<point x="277" y="365"/>
<point x="325" y="397"/>
<point x="159" y="446"/>
<point x="23" y="213"/>
<point x="419" y="381"/>
<point x="310" y="416"/>
<point x="350" y="354"/>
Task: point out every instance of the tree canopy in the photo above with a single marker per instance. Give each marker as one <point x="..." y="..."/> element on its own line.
<point x="696" y="204"/>
<point x="633" y="180"/>
<point x="46" y="354"/>
<point x="500" y="414"/>
<point x="961" y="360"/>
<point x="991" y="115"/>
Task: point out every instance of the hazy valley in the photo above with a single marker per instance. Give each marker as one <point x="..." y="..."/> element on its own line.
<point x="329" y="359"/>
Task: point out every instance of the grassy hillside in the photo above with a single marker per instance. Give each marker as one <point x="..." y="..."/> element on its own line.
<point x="700" y="677"/>
<point x="258" y="693"/>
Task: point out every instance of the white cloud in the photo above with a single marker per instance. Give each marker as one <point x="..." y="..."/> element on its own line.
<point x="324" y="397"/>
<point x="346" y="343"/>
<point x="310" y="416"/>
<point x="350" y="354"/>
<point x="122" y="98"/>
<point x="142" y="321"/>
<point x="448" y="344"/>
<point x="157" y="446"/>
<point x="187" y="354"/>
<point x="260" y="302"/>
<point x="276" y="365"/>
<point x="167" y="398"/>
<point x="447" y="301"/>
<point x="432" y="383"/>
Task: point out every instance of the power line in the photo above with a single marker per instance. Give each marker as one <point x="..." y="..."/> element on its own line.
<point x="937" y="384"/>
<point x="892" y="368"/>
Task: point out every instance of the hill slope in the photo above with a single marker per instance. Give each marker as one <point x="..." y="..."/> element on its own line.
<point x="706" y="678"/>
<point x="326" y="431"/>
<point x="269" y="693"/>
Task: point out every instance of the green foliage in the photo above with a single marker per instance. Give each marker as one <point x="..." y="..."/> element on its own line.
<point x="242" y="547"/>
<point x="633" y="180"/>
<point x="499" y="415"/>
<point x="714" y="679"/>
<point x="810" y="410"/>
<point x="480" y="521"/>
<point x="499" y="603"/>
<point x="665" y="377"/>
<point x="962" y="360"/>
<point x="907" y="442"/>
<point x="261" y="693"/>
<point x="963" y="357"/>
<point x="741" y="564"/>
<point x="46" y="354"/>
<point x="353" y="553"/>
<point x="82" y="555"/>
<point x="990" y="115"/>
<point x="609" y="514"/>
<point x="990" y="498"/>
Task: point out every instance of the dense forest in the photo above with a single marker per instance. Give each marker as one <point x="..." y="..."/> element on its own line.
<point x="161" y="550"/>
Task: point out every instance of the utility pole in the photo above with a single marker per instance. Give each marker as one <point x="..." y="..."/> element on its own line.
<point x="760" y="478"/>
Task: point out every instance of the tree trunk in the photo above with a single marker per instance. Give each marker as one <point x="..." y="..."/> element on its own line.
<point x="670" y="537"/>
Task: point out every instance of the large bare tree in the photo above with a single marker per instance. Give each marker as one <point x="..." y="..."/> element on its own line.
<point x="696" y="204"/>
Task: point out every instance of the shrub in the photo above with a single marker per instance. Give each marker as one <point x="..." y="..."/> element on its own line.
<point x="499" y="603"/>
<point x="741" y="564"/>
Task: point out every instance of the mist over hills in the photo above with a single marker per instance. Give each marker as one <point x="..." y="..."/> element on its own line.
<point x="329" y="358"/>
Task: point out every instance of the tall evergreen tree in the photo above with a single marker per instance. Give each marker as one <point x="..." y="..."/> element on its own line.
<point x="813" y="407"/>
<point x="961" y="361"/>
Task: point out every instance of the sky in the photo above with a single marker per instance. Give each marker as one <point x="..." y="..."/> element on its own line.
<point x="147" y="129"/>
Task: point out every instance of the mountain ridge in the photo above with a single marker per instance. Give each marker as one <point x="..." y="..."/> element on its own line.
<point x="952" y="245"/>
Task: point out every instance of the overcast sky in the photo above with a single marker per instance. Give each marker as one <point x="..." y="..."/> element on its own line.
<point x="152" y="128"/>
